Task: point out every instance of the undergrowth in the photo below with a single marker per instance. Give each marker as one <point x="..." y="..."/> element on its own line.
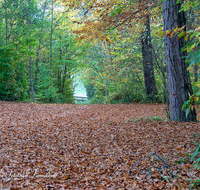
<point x="154" y="118"/>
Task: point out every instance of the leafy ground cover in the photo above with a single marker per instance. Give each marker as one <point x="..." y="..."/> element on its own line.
<point x="124" y="146"/>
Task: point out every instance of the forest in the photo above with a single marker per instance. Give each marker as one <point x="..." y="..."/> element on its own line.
<point x="139" y="63"/>
<point x="118" y="50"/>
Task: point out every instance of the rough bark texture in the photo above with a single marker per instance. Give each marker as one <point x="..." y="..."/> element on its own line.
<point x="179" y="83"/>
<point x="149" y="78"/>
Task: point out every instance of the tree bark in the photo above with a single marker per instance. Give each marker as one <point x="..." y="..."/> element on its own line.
<point x="51" y="35"/>
<point x="149" y="78"/>
<point x="179" y="84"/>
<point x="31" y="81"/>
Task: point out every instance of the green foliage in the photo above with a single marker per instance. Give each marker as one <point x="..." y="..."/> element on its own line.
<point x="46" y="91"/>
<point x="22" y="42"/>
<point x="68" y="93"/>
<point x="195" y="184"/>
<point x="13" y="85"/>
<point x="117" y="10"/>
<point x="189" y="104"/>
<point x="154" y="118"/>
<point x="189" y="4"/>
<point x="117" y="60"/>
<point x="193" y="48"/>
<point x="90" y="91"/>
<point x="195" y="158"/>
<point x="193" y="57"/>
<point x="125" y="82"/>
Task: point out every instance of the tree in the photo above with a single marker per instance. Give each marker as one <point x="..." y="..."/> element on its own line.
<point x="179" y="83"/>
<point x="25" y="49"/>
<point x="149" y="78"/>
<point x="51" y="35"/>
<point x="31" y="78"/>
<point x="39" y="45"/>
<point x="114" y="14"/>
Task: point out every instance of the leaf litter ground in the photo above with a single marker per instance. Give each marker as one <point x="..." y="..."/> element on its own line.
<point x="94" y="147"/>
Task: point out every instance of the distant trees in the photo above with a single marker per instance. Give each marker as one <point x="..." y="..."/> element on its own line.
<point x="129" y="17"/>
<point x="149" y="78"/>
<point x="33" y="33"/>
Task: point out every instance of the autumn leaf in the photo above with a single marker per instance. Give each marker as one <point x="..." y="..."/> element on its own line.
<point x="73" y="146"/>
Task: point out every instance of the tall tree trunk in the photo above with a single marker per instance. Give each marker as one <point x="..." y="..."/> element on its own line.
<point x="64" y="77"/>
<point x="51" y="35"/>
<point x="31" y="80"/>
<point x="38" y="51"/>
<point x="5" y="6"/>
<point x="59" y="81"/>
<point x="60" y="72"/>
<point x="6" y="28"/>
<point x="65" y="71"/>
<point x="149" y="78"/>
<point x="179" y="84"/>
<point x="166" y="93"/>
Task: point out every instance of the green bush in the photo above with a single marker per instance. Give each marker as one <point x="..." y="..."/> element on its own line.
<point x="13" y="84"/>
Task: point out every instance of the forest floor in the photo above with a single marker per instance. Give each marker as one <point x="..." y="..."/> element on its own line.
<point x="94" y="147"/>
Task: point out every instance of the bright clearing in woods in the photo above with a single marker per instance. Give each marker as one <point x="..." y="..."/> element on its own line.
<point x="94" y="147"/>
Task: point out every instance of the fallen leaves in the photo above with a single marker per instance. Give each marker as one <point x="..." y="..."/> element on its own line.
<point x="90" y="147"/>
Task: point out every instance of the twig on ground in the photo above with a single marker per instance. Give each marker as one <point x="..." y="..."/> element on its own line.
<point x="165" y="165"/>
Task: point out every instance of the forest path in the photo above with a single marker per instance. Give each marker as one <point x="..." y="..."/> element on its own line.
<point x="90" y="146"/>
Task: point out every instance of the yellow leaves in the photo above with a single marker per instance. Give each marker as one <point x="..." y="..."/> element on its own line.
<point x="186" y="37"/>
<point x="167" y="32"/>
<point x="100" y="19"/>
<point x="105" y="74"/>
<point x="195" y="98"/>
<point x="113" y="53"/>
<point x="171" y="34"/>
<point x="181" y="28"/>
<point x="108" y="40"/>
<point x="181" y="35"/>
<point x="176" y="31"/>
<point x="95" y="42"/>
